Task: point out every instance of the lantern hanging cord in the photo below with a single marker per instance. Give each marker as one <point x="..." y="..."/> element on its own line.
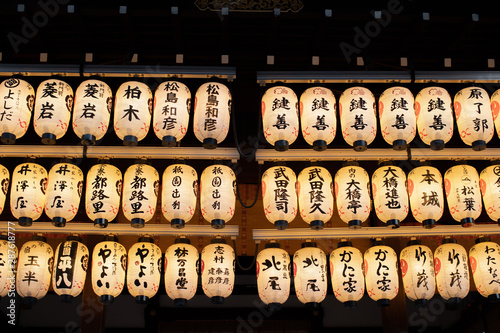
<point x="256" y="194"/>
<point x="253" y="261"/>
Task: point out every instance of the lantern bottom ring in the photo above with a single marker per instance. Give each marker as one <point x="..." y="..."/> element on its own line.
<point x="59" y="222"/>
<point x="107" y="299"/>
<point x="180" y="302"/>
<point x="384" y="302"/>
<point x="312" y="305"/>
<point x="360" y="145"/>
<point x="100" y="223"/>
<point x="25" y="221"/>
<point x="218" y="224"/>
<point x="467" y="222"/>
<point x="399" y="145"/>
<point x="177" y="223"/>
<point x="130" y="140"/>
<point x="355" y="224"/>
<point x="273" y="307"/>
<point x="30" y="300"/>
<point x="209" y="143"/>
<point x="8" y="138"/>
<point x="48" y="139"/>
<point x="454" y="301"/>
<point x="420" y="303"/>
<point x="141" y="299"/>
<point x="350" y="304"/>
<point x="280" y="225"/>
<point x="494" y="298"/>
<point x="429" y="223"/>
<point x="393" y="223"/>
<point x="137" y="223"/>
<point x="281" y="145"/>
<point x="437" y="144"/>
<point x="169" y="141"/>
<point x="66" y="298"/>
<point x="319" y="145"/>
<point x="88" y="140"/>
<point x="479" y="145"/>
<point x="317" y="225"/>
<point x="217" y="300"/>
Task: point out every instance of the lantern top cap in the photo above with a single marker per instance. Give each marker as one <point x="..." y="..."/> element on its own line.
<point x="74" y="238"/>
<point x="218" y="241"/>
<point x="182" y="240"/>
<point x="344" y="244"/>
<point x="110" y="238"/>
<point x="273" y="245"/>
<point x="39" y="238"/>
<point x="449" y="241"/>
<point x="483" y="239"/>
<point x="414" y="242"/>
<point x="309" y="244"/>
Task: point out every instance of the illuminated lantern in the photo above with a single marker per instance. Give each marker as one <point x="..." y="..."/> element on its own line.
<point x="144" y="269"/>
<point x="102" y="193"/>
<point x="64" y="191"/>
<point x="318" y="118"/>
<point x="452" y="271"/>
<point x="4" y="181"/>
<point x="381" y="274"/>
<point x="19" y="99"/>
<point x="398" y="121"/>
<point x="53" y="105"/>
<point x="181" y="271"/>
<point x="495" y="109"/>
<point x="279" y="196"/>
<point x="34" y="269"/>
<point x="8" y="261"/>
<point x="217" y="270"/>
<point x="425" y="190"/>
<point x="346" y="269"/>
<point x="218" y="195"/>
<point x="92" y="111"/>
<point x="179" y="193"/>
<point x="352" y="193"/>
<point x="417" y="268"/>
<point x="109" y="266"/>
<point x="390" y="197"/>
<point x="461" y="184"/>
<point x="273" y="276"/>
<point x="474" y="117"/>
<point x="133" y="107"/>
<point x="140" y="191"/>
<point x="172" y="105"/>
<point x="489" y="180"/>
<point x="70" y="268"/>
<point x="309" y="272"/>
<point x="484" y="259"/>
<point x="212" y="111"/>
<point x="357" y="117"/>
<point x="28" y="192"/>
<point x="280" y="117"/>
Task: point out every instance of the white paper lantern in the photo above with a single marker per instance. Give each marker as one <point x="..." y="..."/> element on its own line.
<point x="318" y="117"/>
<point x="19" y="99"/>
<point x="53" y="105"/>
<point x="172" y="104"/>
<point x="4" y="183"/>
<point x="133" y="107"/>
<point x="8" y="263"/>
<point x="381" y="274"/>
<point x="452" y="270"/>
<point x="218" y="195"/>
<point x="140" y="191"/>
<point x="309" y="272"/>
<point x="280" y="117"/>
<point x="217" y="270"/>
<point x="484" y="259"/>
<point x="425" y="190"/>
<point x="179" y="194"/>
<point x="490" y="188"/>
<point x="212" y="112"/>
<point x="357" y="117"/>
<point x="103" y="191"/>
<point x="64" y="190"/>
<point x="495" y="110"/>
<point x="279" y="196"/>
<point x="474" y="117"/>
<point x="28" y="192"/>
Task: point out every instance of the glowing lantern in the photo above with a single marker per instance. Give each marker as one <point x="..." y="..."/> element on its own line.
<point x="53" y="105"/>
<point x="28" y="192"/>
<point x="279" y="196"/>
<point x="495" y="109"/>
<point x="484" y="259"/>
<point x="217" y="270"/>
<point x="489" y="180"/>
<point x="212" y="111"/>
<point x="309" y="272"/>
<point x="133" y="107"/>
<point x="280" y="117"/>
<point x="179" y="193"/>
<point x="4" y="182"/>
<point x="318" y="117"/>
<point x="8" y="261"/>
<point x="452" y="271"/>
<point x="172" y="105"/>
<point x="19" y="99"/>
<point x="218" y="195"/>
<point x="381" y="274"/>
<point x="474" y="117"/>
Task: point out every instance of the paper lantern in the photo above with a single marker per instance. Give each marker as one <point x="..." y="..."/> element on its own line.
<point x="212" y="111"/>
<point x="309" y="272"/>
<point x="179" y="193"/>
<point x="357" y="117"/>
<point x="273" y="276"/>
<point x="64" y="190"/>
<point x="381" y="274"/>
<point x="53" y="105"/>
<point x="390" y="196"/>
<point x="172" y="105"/>
<point x="318" y="117"/>
<point x="70" y="268"/>
<point x="352" y="193"/>
<point x="181" y="271"/>
<point x="398" y="121"/>
<point x="109" y="266"/>
<point x="140" y="191"/>
<point x="217" y="270"/>
<point x="461" y="184"/>
<point x="218" y="195"/>
<point x="490" y="188"/>
<point x="279" y="196"/>
<point x="133" y="107"/>
<point x="425" y="190"/>
<point x="19" y="99"/>
<point x="495" y="109"/>
<point x="417" y="269"/>
<point x="28" y="192"/>
<point x="103" y="191"/>
<point x="280" y="117"/>
<point x="484" y="259"/>
<point x="452" y="271"/>
<point x="144" y="269"/>
<point x="92" y="111"/>
<point x="8" y="263"/>
<point x="474" y="117"/>
<point x="5" y="182"/>
<point x="34" y="269"/>
<point x="346" y="269"/>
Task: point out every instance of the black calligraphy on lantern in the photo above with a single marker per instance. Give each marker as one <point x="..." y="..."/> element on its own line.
<point x="281" y="192"/>
<point x="390" y="182"/>
<point x="138" y="185"/>
<point x="316" y="196"/>
<point x="211" y="107"/>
